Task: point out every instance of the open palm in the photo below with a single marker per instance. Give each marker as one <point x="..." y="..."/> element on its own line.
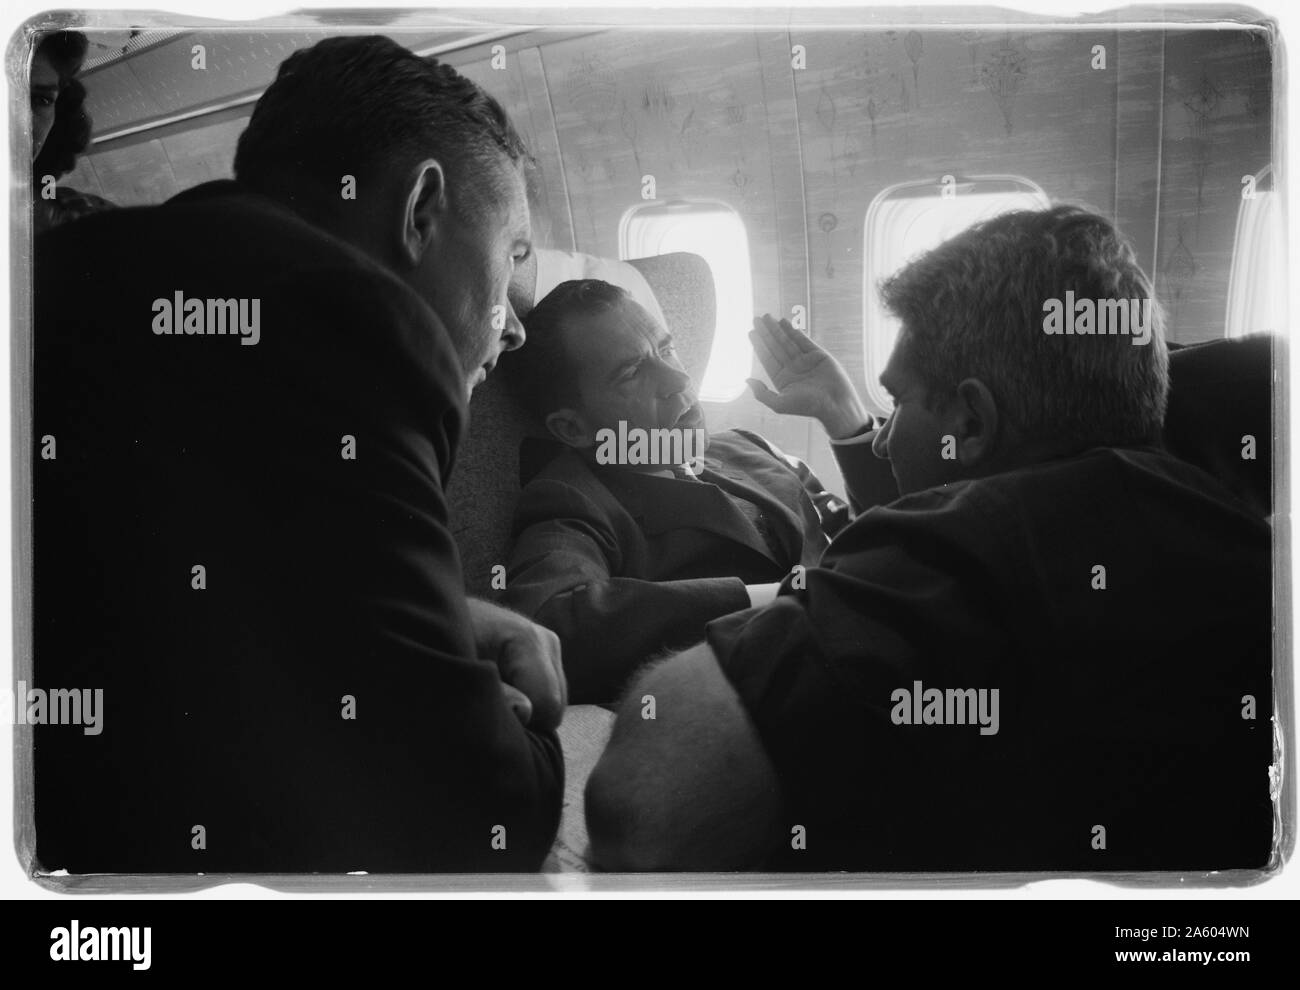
<point x="808" y="381"/>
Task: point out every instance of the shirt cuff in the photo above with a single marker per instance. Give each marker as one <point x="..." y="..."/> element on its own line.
<point x="866" y="435"/>
<point x="762" y="594"/>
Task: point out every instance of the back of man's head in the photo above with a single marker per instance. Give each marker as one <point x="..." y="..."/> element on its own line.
<point x="368" y="108"/>
<point x="545" y="371"/>
<point x="980" y="306"/>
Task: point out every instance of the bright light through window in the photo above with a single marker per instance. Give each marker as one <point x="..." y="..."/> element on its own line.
<point x="714" y="231"/>
<point x="909" y="219"/>
<point x="1257" y="284"/>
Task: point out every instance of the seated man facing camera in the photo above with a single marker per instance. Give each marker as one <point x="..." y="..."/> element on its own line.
<point x="625" y="559"/>
<point x="1052" y="652"/>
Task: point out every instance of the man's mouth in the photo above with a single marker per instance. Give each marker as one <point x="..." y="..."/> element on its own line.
<point x="690" y="417"/>
<point x="480" y="374"/>
<point x="485" y="369"/>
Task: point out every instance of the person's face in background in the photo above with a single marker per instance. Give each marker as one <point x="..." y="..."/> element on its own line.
<point x="44" y="94"/>
<point x="912" y="439"/>
<point x="625" y="368"/>
<point x="466" y="274"/>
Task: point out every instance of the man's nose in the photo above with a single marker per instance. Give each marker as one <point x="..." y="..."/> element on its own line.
<point x="880" y="442"/>
<point x="671" y="379"/>
<point x="513" y="335"/>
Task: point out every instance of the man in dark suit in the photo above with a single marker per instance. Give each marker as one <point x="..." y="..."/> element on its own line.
<point x="247" y="405"/>
<point x="1052" y="652"/>
<point x="624" y="560"/>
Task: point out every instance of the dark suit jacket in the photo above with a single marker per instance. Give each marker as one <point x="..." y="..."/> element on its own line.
<point x="326" y="578"/>
<point x="1220" y="394"/>
<point x="624" y="565"/>
<point x="1123" y="706"/>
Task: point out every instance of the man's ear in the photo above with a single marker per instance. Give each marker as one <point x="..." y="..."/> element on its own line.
<point x="568" y="428"/>
<point x="975" y="421"/>
<point x="426" y="206"/>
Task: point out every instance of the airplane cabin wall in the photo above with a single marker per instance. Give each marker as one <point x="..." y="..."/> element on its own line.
<point x="710" y="115"/>
<point x="1158" y="140"/>
<point x="1218" y="127"/>
<point x="800" y="154"/>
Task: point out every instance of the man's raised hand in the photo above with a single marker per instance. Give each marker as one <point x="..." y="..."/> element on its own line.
<point x="808" y="380"/>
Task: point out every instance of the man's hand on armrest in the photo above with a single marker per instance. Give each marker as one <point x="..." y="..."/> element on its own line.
<point x="528" y="658"/>
<point x="691" y="788"/>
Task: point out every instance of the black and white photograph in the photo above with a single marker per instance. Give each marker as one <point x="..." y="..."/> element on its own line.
<point x="656" y="448"/>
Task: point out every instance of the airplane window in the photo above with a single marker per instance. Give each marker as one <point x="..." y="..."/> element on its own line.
<point x="714" y="231"/>
<point x="1255" y="285"/>
<point x="909" y="219"/>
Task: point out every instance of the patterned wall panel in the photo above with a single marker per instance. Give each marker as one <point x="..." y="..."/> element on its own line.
<point x="134" y="175"/>
<point x="85" y="178"/>
<point x="1140" y="70"/>
<point x="162" y="80"/>
<point x="887" y="106"/>
<point x="711" y="116"/>
<point x="686" y="108"/>
<point x="800" y="153"/>
<point x="1217" y="128"/>
<point x="149" y="172"/>
<point x="895" y="106"/>
<point x="795" y="436"/>
<point x="520" y="87"/>
<point x="203" y="155"/>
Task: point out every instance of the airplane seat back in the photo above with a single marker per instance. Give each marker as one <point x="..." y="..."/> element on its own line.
<point x="486" y="481"/>
<point x="1220" y="414"/>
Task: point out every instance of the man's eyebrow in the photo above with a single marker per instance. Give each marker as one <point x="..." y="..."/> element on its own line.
<point x="46" y="87"/>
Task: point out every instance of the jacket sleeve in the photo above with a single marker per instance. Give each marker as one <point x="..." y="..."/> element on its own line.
<point x="467" y="786"/>
<point x="869" y="478"/>
<point x="316" y="704"/>
<point x="832" y="510"/>
<point x="567" y="571"/>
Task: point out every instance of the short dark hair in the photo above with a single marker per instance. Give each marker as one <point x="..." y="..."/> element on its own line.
<point x="357" y="105"/>
<point x="542" y="371"/>
<point x="973" y="307"/>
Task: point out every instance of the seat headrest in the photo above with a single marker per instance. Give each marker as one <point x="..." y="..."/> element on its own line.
<point x="1221" y="393"/>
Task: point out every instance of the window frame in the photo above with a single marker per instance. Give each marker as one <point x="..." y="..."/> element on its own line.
<point x="1254" y="217"/>
<point x="735" y="389"/>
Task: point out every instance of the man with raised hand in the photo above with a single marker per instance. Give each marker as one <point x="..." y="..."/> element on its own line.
<point x="625" y="560"/>
<point x="1052" y="652"/>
